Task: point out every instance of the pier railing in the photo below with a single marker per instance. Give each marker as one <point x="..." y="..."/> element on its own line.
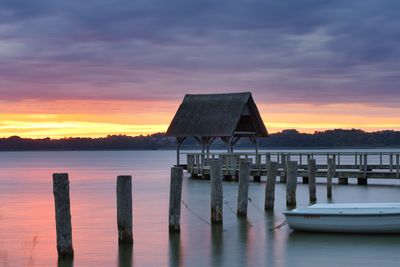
<point x="360" y="162"/>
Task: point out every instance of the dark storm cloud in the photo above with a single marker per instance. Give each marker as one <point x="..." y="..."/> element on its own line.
<point x="284" y="51"/>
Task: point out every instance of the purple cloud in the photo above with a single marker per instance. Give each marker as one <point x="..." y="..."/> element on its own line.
<point x="284" y="51"/>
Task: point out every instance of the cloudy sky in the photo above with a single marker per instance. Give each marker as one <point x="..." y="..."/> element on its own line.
<point x="98" y="67"/>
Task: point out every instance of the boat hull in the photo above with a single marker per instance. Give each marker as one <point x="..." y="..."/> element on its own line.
<point x="346" y="218"/>
<point x="345" y="224"/>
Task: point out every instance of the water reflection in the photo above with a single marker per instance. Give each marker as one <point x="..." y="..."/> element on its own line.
<point x="245" y="246"/>
<point x="65" y="262"/>
<point x="125" y="255"/>
<point x="217" y="245"/>
<point x="175" y="250"/>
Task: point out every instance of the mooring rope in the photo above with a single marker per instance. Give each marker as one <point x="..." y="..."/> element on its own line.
<point x="279" y="226"/>
<point x="230" y="208"/>
<point x="194" y="213"/>
<point x="255" y="207"/>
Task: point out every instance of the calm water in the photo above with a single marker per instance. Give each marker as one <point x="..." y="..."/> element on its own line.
<point x="27" y="227"/>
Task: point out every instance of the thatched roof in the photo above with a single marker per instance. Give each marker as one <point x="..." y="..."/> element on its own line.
<point x="217" y="115"/>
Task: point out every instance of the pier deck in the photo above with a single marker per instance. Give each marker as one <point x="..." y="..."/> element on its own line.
<point x="363" y="166"/>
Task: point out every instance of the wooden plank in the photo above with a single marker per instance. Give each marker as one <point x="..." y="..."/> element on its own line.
<point x="243" y="194"/>
<point x="175" y="197"/>
<point x="124" y="209"/>
<point x="63" y="215"/>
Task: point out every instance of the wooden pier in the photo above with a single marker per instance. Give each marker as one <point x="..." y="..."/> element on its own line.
<point x="359" y="165"/>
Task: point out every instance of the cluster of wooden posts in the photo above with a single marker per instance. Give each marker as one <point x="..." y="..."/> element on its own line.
<point x="63" y="213"/>
<point x="216" y="178"/>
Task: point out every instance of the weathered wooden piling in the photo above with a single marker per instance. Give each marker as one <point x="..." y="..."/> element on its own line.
<point x="284" y="161"/>
<point x="331" y="173"/>
<point x="270" y="186"/>
<point x="311" y="180"/>
<point x="291" y="183"/>
<point x="216" y="192"/>
<point x="175" y="195"/>
<point x="243" y="195"/>
<point x="124" y="209"/>
<point x="63" y="215"/>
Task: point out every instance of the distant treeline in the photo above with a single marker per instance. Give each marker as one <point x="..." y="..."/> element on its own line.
<point x="284" y="139"/>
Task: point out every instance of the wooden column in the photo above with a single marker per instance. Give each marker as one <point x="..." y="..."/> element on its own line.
<point x="216" y="192"/>
<point x="243" y="195"/>
<point x="175" y="195"/>
<point x="124" y="209"/>
<point x="179" y="141"/>
<point x="283" y="176"/>
<point x="63" y="215"/>
<point x="291" y="183"/>
<point x="391" y="162"/>
<point x="364" y="168"/>
<point x="330" y="174"/>
<point x="270" y="186"/>
<point x="312" y="180"/>
<point x="190" y="163"/>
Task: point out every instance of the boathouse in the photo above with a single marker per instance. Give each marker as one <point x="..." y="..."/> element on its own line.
<point x="206" y="117"/>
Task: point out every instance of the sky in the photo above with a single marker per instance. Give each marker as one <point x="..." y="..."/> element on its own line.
<point x="100" y="67"/>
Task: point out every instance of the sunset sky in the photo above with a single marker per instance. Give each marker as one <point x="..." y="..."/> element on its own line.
<point x="100" y="67"/>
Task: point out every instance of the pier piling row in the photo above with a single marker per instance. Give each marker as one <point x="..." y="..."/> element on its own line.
<point x="344" y="165"/>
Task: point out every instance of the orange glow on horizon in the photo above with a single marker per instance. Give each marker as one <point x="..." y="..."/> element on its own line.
<point x="75" y="118"/>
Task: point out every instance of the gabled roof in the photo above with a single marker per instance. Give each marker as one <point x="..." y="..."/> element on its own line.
<point x="217" y="115"/>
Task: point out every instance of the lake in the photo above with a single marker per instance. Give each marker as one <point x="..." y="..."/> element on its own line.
<point x="27" y="220"/>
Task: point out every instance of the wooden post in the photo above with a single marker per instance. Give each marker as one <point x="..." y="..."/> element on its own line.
<point x="124" y="209"/>
<point x="216" y="192"/>
<point x="391" y="162"/>
<point x="365" y="167"/>
<point x="283" y="176"/>
<point x="311" y="180"/>
<point x="243" y="195"/>
<point x="190" y="163"/>
<point x="267" y="159"/>
<point x="291" y="183"/>
<point x="330" y="174"/>
<point x="63" y="215"/>
<point x="175" y="195"/>
<point x="270" y="186"/>
<point x="397" y="166"/>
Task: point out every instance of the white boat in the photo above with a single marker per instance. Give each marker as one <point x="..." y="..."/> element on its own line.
<point x="346" y="218"/>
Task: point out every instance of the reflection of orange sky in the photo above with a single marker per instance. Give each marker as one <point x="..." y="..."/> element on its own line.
<point x="100" y="118"/>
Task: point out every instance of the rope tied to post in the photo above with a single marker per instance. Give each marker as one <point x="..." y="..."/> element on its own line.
<point x="255" y="207"/>
<point x="195" y="213"/>
<point x="231" y="209"/>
